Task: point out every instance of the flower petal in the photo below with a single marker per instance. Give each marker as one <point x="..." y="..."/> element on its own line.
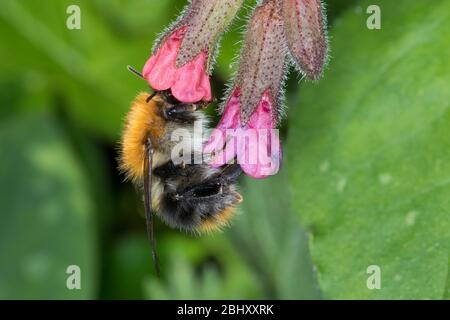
<point x="192" y="83"/>
<point x="160" y="71"/>
<point x="266" y="151"/>
<point x="261" y="156"/>
<point x="227" y="155"/>
<point x="229" y="120"/>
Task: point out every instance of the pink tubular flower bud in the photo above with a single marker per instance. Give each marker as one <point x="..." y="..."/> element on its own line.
<point x="182" y="59"/>
<point x="305" y="29"/>
<point x="252" y="110"/>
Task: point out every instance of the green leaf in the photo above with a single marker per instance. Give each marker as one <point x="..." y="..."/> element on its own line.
<point x="201" y="268"/>
<point x="370" y="154"/>
<point x="46" y="213"/>
<point x="85" y="69"/>
<point x="270" y="239"/>
<point x="135" y="18"/>
<point x="126" y="266"/>
<point x="334" y="8"/>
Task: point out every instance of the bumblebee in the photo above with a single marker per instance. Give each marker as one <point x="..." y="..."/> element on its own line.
<point x="193" y="196"/>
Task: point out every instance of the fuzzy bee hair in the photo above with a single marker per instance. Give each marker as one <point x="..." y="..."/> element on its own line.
<point x="188" y="196"/>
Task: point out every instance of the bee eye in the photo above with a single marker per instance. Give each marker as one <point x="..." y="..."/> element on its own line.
<point x="171" y="112"/>
<point x="181" y="112"/>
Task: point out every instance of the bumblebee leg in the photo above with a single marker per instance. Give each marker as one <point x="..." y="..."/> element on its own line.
<point x="170" y="170"/>
<point x="148" y="163"/>
<point x="215" y="185"/>
<point x="203" y="105"/>
<point x="207" y="204"/>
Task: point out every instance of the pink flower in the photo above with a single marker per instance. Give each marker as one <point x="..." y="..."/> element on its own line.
<point x="256" y="145"/>
<point x="182" y="59"/>
<point x="189" y="83"/>
<point x="277" y="29"/>
<point x="251" y="113"/>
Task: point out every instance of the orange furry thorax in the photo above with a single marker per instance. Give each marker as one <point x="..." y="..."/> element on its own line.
<point x="143" y="122"/>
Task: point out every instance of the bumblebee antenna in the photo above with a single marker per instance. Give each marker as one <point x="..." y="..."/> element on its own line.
<point x="148" y="163"/>
<point x="140" y="75"/>
<point x="133" y="70"/>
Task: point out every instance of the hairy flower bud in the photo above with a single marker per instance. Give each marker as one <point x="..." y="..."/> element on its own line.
<point x="252" y="109"/>
<point x="207" y="21"/>
<point x="305" y="30"/>
<point x="263" y="57"/>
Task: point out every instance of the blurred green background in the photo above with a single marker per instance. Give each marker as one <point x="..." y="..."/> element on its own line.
<point x="367" y="170"/>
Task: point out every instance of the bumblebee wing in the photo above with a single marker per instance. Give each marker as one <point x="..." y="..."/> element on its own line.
<point x="148" y="162"/>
